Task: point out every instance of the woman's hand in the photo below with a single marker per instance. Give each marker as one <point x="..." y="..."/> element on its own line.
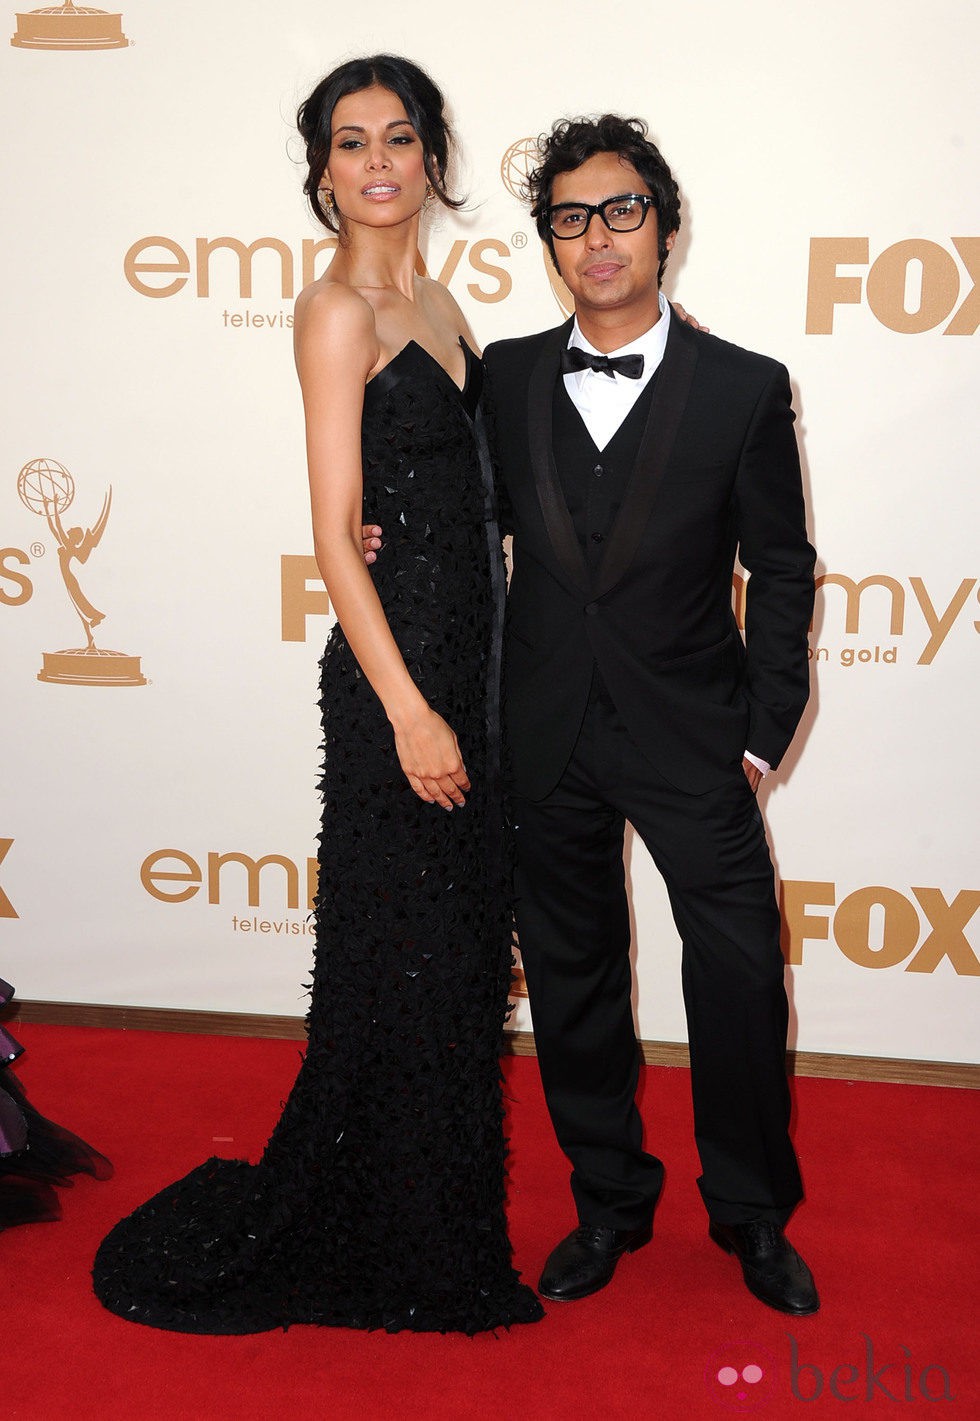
<point x="429" y="753"/>
<point x="371" y="541"/>
<point x="689" y="319"/>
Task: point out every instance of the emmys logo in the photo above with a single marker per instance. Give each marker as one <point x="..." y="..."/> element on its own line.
<point x="879" y="927"/>
<point x="173" y="876"/>
<point x="21" y="583"/>
<point x="157" y="873"/>
<point x="48" y="489"/>
<point x="159" y="268"/>
<point x="518" y="162"/>
<point x="912" y="286"/>
<point x="69" y="26"/>
<point x="7" y="909"/>
<point x="888" y="607"/>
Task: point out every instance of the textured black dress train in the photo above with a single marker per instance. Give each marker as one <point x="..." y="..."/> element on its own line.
<point x="379" y="1200"/>
<point x="36" y="1155"/>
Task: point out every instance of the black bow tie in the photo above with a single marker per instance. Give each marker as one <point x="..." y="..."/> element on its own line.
<point x="573" y="358"/>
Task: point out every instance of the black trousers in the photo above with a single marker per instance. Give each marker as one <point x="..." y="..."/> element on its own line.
<point x="574" y="928"/>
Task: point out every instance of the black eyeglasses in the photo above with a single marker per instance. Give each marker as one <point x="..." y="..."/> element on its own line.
<point x="620" y="214"/>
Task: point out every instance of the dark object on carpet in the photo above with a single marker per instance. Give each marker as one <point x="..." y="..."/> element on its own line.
<point x="36" y="1155"/>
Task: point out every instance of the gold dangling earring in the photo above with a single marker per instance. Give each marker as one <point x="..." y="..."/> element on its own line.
<point x="325" y="199"/>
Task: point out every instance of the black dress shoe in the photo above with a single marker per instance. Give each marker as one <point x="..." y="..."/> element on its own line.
<point x="585" y="1261"/>
<point x="771" y="1266"/>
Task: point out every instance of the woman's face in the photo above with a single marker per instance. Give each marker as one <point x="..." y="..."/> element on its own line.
<point x="376" y="167"/>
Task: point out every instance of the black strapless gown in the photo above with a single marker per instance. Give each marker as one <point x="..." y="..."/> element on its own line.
<point x="379" y="1200"/>
<point x="36" y="1155"/>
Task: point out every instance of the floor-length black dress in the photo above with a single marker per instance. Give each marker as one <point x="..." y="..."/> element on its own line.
<point x="379" y="1200"/>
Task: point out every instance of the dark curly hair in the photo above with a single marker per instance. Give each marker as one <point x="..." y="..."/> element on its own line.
<point x="573" y="141"/>
<point x="424" y="105"/>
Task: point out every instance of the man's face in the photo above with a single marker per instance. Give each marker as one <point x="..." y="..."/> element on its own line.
<point x="608" y="271"/>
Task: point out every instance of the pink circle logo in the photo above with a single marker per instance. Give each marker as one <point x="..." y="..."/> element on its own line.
<point x="741" y="1376"/>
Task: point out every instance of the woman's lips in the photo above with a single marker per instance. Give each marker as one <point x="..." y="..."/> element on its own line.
<point x="380" y="192"/>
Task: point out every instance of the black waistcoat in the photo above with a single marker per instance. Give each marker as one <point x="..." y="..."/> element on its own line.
<point x="594" y="482"/>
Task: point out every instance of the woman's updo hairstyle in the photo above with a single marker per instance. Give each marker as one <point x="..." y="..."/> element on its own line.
<point x="423" y="102"/>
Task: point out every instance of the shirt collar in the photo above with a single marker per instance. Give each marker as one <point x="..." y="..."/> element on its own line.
<point x="651" y="344"/>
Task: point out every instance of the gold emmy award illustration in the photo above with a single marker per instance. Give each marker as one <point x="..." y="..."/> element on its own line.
<point x="69" y="26"/>
<point x="48" y="489"/>
<point x="518" y="161"/>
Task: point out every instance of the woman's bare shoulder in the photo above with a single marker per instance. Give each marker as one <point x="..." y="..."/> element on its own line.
<point x="331" y="317"/>
<point x="335" y="306"/>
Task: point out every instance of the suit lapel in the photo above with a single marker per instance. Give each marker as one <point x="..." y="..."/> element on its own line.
<point x="656" y="445"/>
<point x="554" y="510"/>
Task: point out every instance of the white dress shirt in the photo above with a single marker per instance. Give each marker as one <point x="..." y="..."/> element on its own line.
<point x="604" y="401"/>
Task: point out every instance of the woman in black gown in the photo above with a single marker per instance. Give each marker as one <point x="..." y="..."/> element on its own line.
<point x="379" y="1201"/>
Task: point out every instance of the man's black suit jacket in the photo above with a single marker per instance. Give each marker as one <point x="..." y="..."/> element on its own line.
<point x="717" y="472"/>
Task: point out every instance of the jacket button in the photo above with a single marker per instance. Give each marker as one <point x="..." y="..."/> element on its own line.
<point x="591" y="609"/>
<point x="597" y="537"/>
<point x="598" y="471"/>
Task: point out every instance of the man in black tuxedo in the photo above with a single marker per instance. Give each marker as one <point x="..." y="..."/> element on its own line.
<point x="636" y="457"/>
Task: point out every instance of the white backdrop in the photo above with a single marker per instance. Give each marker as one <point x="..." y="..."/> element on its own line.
<point x="827" y="164"/>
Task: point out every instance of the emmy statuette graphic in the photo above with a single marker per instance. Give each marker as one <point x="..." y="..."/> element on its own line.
<point x="47" y="489"/>
<point x="515" y="166"/>
<point x="69" y="26"/>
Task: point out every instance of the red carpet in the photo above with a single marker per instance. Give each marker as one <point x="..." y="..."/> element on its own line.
<point x="890" y="1231"/>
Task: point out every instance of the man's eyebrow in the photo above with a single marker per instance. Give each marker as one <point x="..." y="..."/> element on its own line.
<point x="581" y="202"/>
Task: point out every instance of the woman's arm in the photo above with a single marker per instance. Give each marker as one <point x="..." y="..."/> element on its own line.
<point x="336" y="349"/>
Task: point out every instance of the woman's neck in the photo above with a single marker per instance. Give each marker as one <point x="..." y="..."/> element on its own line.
<point x="373" y="258"/>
